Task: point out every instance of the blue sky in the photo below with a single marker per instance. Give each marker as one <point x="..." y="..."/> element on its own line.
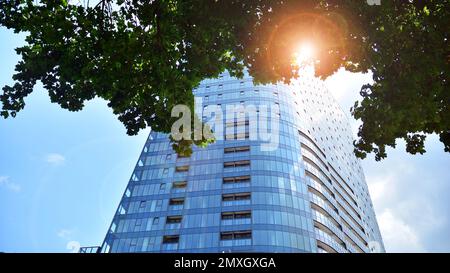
<point x="62" y="174"/>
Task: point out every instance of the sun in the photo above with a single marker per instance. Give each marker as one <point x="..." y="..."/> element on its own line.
<point x="304" y="53"/>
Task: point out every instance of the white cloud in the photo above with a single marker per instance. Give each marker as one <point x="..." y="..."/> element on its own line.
<point x="410" y="194"/>
<point x="73" y="246"/>
<point x="6" y="183"/>
<point x="55" y="159"/>
<point x="345" y="87"/>
<point x="397" y="235"/>
<point x="67" y="234"/>
<point x="64" y="233"/>
<point x="386" y="186"/>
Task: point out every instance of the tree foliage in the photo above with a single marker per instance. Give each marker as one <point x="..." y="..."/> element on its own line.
<point x="144" y="57"/>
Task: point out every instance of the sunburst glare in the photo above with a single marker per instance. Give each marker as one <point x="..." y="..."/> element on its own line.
<point x="304" y="54"/>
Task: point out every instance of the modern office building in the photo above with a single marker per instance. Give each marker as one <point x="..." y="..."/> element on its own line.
<point x="306" y="193"/>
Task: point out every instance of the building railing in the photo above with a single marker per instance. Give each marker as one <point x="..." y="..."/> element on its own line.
<point x="89" y="249"/>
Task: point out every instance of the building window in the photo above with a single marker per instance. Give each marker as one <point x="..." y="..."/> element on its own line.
<point x="182" y="168"/>
<point x="243" y="214"/>
<point x="226" y="236"/>
<point x="241" y="93"/>
<point x="236" y="179"/>
<point x="168" y="157"/>
<point x="238" y="136"/>
<point x="171" y="239"/>
<point x="312" y="141"/>
<point x="242" y="235"/>
<point x="138" y="223"/>
<point x="233" y="164"/>
<point x="236" y="235"/>
<point x="179" y="185"/>
<point x="155" y="220"/>
<point x="236" y="215"/>
<point x="228" y="197"/>
<point x="176" y="201"/>
<point x="243" y="196"/>
<point x="236" y="196"/>
<point x="227" y="215"/>
<point x="236" y="149"/>
<point x="237" y="123"/>
<point x="174" y="219"/>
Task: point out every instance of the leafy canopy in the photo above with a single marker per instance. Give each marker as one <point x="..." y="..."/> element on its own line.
<point x="144" y="57"/>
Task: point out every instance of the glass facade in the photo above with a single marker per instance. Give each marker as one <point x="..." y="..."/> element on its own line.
<point x="306" y="195"/>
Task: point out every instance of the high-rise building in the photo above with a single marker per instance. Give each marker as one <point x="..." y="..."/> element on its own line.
<point x="305" y="192"/>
